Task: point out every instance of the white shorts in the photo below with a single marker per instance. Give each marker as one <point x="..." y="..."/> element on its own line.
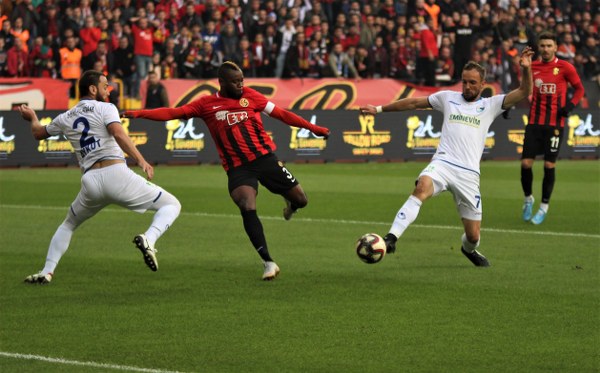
<point x="462" y="183"/>
<point x="115" y="184"/>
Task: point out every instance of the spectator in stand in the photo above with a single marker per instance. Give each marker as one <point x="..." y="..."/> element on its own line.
<point x="229" y="42"/>
<point x="316" y="60"/>
<point x="190" y="17"/>
<point x="124" y="65"/>
<point x="192" y="62"/>
<point x="210" y="61"/>
<point x="115" y="36"/>
<point x="260" y="56"/>
<point x="142" y="50"/>
<point x="9" y="38"/>
<point x="259" y="26"/>
<point x="156" y="93"/>
<point x="212" y="36"/>
<point x="104" y="27"/>
<point x="445" y="67"/>
<point x="3" y="58"/>
<point x="566" y="49"/>
<point x="161" y="31"/>
<point x="284" y="38"/>
<point x="127" y="11"/>
<point x="17" y="64"/>
<point x="70" y="64"/>
<point x="363" y="63"/>
<point x="296" y="59"/>
<point x="21" y="33"/>
<point x="29" y="16"/>
<point x="41" y="60"/>
<point x="314" y="25"/>
<point x="463" y="40"/>
<point x="380" y="60"/>
<point x="170" y="67"/>
<point x="90" y="35"/>
<point x="428" y="54"/>
<point x="102" y="56"/>
<point x="368" y="32"/>
<point x="50" y="24"/>
<point x="591" y="59"/>
<point x="493" y="71"/>
<point x="244" y="58"/>
<point x="433" y="11"/>
<point x="341" y="66"/>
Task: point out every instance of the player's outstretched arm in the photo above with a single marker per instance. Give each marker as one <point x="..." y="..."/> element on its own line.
<point x="39" y="132"/>
<point x="526" y="85"/>
<point x="411" y="103"/>
<point x="129" y="148"/>
<point x="161" y="114"/>
<point x="294" y="120"/>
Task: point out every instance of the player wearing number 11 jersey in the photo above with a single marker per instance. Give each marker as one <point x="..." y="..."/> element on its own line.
<point x="93" y="128"/>
<point x="549" y="110"/>
<point x="233" y="117"/>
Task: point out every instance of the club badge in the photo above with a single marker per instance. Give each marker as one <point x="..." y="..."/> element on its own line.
<point x="244" y="102"/>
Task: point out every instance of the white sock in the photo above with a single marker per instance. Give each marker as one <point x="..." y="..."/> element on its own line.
<point x="163" y="218"/>
<point x="468" y="246"/>
<point x="529" y="198"/>
<point x="406" y="215"/>
<point x="544" y="207"/>
<point x="58" y="246"/>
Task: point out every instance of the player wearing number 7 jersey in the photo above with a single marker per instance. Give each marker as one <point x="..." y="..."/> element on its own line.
<point x="93" y="128"/>
<point x="233" y="117"/>
<point x="455" y="165"/>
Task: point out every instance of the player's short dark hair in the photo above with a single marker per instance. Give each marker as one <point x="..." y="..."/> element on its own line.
<point x="548" y="35"/>
<point x="472" y="65"/>
<point x="90" y="77"/>
<point x="226" y="67"/>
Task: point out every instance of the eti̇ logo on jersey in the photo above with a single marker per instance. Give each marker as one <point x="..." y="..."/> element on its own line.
<point x="54" y="147"/>
<point x="367" y="141"/>
<point x="7" y="142"/>
<point x="305" y="142"/>
<point x="182" y="139"/>
<point x="582" y="136"/>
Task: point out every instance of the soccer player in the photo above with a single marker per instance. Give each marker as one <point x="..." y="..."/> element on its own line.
<point x="94" y="129"/>
<point x="455" y="165"/>
<point x="544" y="131"/>
<point x="246" y="150"/>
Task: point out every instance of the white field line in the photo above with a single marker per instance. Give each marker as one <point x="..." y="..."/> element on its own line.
<point x="82" y="363"/>
<point x="332" y="221"/>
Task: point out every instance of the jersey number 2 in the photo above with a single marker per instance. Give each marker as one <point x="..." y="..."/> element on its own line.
<point x="84" y="140"/>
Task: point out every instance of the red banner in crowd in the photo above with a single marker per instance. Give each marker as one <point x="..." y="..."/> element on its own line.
<point x="311" y="94"/>
<point x="38" y="93"/>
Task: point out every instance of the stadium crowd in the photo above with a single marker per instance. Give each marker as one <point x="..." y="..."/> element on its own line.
<point x="424" y="42"/>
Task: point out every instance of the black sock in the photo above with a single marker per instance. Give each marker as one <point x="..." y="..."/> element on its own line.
<point x="526" y="180"/>
<point x="548" y="184"/>
<point x="254" y="230"/>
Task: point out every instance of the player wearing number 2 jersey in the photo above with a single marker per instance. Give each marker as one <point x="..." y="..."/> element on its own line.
<point x="550" y="108"/>
<point x="233" y="117"/>
<point x="455" y="165"/>
<point x="94" y="130"/>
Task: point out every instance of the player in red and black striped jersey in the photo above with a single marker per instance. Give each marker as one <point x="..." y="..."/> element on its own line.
<point x="549" y="110"/>
<point x="233" y="117"/>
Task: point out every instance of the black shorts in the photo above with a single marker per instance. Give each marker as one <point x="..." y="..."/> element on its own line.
<point x="544" y="140"/>
<point x="267" y="169"/>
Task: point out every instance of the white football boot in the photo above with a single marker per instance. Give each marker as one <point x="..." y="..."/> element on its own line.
<point x="39" y="278"/>
<point x="271" y="271"/>
<point x="148" y="251"/>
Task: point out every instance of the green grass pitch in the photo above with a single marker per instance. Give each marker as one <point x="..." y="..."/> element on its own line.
<point x="424" y="309"/>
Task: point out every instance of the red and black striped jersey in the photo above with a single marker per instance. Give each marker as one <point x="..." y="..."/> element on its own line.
<point x="550" y="91"/>
<point x="235" y="125"/>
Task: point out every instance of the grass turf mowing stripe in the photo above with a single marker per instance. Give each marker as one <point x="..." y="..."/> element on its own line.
<point x="337" y="221"/>
<point x="83" y="363"/>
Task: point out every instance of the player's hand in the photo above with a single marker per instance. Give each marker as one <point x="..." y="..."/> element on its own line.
<point x="320" y="131"/>
<point x="526" y="55"/>
<point x="369" y="109"/>
<point x="565" y="110"/>
<point x="148" y="170"/>
<point x="27" y="113"/>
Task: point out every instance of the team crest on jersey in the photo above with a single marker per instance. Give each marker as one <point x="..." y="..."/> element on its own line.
<point x="237" y="117"/>
<point x="556" y="132"/>
<point x="555" y="71"/>
<point x="244" y="102"/>
<point x="480" y="109"/>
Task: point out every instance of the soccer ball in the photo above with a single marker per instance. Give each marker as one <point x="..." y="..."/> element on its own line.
<point x="370" y="248"/>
